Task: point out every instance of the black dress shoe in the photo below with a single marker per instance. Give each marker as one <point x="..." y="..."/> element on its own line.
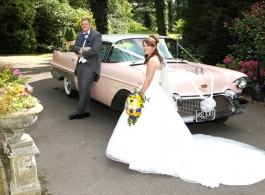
<point x="86" y="114"/>
<point x="74" y="116"/>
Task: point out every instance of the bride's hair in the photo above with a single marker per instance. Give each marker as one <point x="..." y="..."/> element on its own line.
<point x="152" y="40"/>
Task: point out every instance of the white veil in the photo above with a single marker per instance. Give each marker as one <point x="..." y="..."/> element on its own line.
<point x="165" y="82"/>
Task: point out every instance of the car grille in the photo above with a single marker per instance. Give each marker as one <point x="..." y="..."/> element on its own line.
<point x="189" y="107"/>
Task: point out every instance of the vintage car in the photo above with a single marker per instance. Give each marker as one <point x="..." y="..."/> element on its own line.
<point x="121" y="64"/>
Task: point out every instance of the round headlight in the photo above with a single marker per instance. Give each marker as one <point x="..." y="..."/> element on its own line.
<point x="241" y="83"/>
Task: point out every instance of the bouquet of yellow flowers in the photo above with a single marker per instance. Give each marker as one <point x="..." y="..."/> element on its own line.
<point x="134" y="105"/>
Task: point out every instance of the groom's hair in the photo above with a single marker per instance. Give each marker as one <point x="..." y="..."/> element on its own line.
<point x="87" y="19"/>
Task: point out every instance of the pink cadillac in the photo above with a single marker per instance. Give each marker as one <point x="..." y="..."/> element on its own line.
<point x="121" y="63"/>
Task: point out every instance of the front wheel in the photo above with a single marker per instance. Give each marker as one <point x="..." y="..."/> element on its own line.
<point x="68" y="89"/>
<point x="119" y="100"/>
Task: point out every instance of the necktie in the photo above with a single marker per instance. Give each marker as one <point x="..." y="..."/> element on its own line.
<point x="84" y="38"/>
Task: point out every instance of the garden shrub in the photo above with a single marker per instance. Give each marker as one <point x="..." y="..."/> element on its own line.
<point x="70" y="34"/>
<point x="17" y="33"/>
<point x="57" y="16"/>
<point x="136" y="26"/>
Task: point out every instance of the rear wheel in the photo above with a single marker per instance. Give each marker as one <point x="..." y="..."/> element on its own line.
<point x="68" y="89"/>
<point x="221" y="120"/>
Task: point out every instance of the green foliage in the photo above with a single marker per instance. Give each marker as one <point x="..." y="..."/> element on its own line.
<point x="16" y="27"/>
<point x="249" y="32"/>
<point x="100" y="13"/>
<point x="70" y="34"/>
<point x="231" y="62"/>
<point x="66" y="33"/>
<point x="161" y="17"/>
<point x="220" y="65"/>
<point x="79" y="4"/>
<point x="119" y="21"/>
<point x="136" y="26"/>
<point x="10" y="75"/>
<point x="144" y="13"/>
<point x="178" y="26"/>
<point x="57" y="16"/>
<point x="248" y="67"/>
<point x="81" y="14"/>
<point x="204" y="30"/>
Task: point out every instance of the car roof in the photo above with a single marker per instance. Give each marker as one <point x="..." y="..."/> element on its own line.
<point x="113" y="38"/>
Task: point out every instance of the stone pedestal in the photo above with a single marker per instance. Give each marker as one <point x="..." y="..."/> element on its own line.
<point x="21" y="149"/>
<point x="7" y="134"/>
<point x="24" y="170"/>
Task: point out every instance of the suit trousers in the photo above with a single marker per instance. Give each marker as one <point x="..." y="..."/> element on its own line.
<point x="85" y="77"/>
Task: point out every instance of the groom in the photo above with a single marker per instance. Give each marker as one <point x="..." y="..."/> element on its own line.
<point x="87" y="47"/>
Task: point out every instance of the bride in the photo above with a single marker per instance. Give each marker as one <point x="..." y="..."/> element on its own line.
<point x="161" y="143"/>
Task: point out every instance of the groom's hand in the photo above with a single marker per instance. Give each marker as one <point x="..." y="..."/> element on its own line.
<point x="86" y="48"/>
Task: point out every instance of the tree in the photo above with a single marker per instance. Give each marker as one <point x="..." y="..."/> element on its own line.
<point x="79" y="4"/>
<point x="170" y="21"/>
<point x="161" y="20"/>
<point x="145" y="9"/>
<point x="100" y="13"/>
<point x="70" y="34"/>
<point x="50" y="34"/>
<point x="249" y="32"/>
<point x="16" y="26"/>
<point x="119" y="21"/>
<point x="203" y="31"/>
<point x="143" y="12"/>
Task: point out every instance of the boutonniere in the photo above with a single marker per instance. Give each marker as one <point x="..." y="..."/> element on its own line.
<point x="87" y="38"/>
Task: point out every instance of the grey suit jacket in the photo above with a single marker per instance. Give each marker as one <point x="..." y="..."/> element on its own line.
<point x="92" y="56"/>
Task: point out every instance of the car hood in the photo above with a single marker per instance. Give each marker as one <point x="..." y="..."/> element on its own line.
<point x="186" y="77"/>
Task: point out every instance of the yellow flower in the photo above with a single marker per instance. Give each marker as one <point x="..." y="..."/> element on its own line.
<point x="138" y="97"/>
<point x="138" y="104"/>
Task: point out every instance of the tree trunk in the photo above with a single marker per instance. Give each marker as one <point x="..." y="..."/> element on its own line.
<point x="170" y="15"/>
<point x="161" y="17"/>
<point x="100" y="13"/>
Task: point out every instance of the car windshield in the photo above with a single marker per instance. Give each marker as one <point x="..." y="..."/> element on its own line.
<point x="119" y="54"/>
<point x="135" y="46"/>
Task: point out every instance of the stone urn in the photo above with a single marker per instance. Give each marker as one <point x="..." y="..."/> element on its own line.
<point x="68" y="44"/>
<point x="14" y="123"/>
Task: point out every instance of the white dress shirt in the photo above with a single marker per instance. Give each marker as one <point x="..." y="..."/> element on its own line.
<point x="83" y="60"/>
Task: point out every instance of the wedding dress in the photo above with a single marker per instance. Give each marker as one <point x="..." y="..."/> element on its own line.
<point x="161" y="143"/>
